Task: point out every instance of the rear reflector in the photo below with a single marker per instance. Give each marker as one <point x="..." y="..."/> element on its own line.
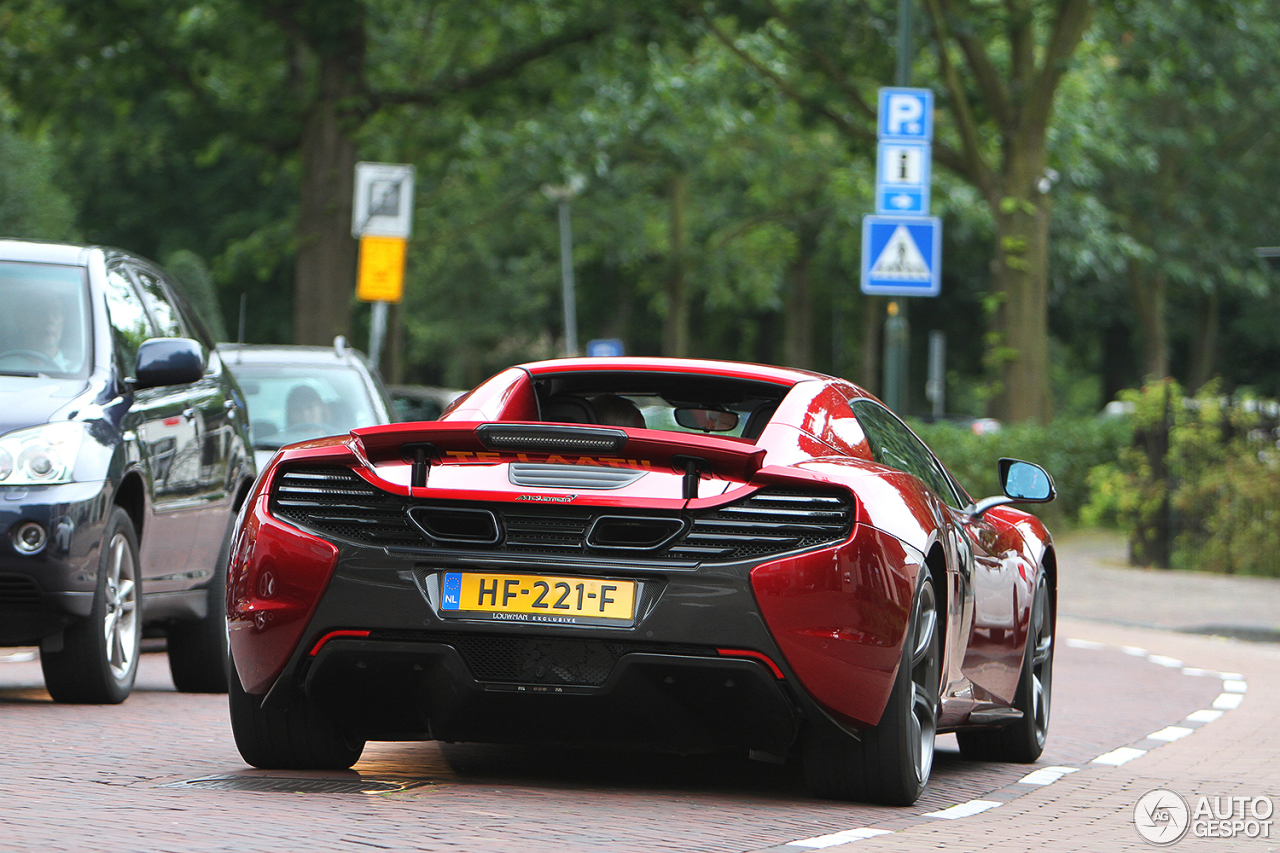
<point x="334" y="635"/>
<point x="753" y="655"/>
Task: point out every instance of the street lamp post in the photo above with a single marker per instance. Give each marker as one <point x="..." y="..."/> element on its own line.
<point x="561" y="195"/>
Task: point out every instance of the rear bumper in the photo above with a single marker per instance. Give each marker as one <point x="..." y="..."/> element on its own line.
<point x="398" y="689"/>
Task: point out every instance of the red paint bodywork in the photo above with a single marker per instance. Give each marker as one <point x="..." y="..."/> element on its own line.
<point x="276" y="577"/>
<point x="839" y="616"/>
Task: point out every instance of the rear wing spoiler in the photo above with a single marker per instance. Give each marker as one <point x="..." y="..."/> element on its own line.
<point x="424" y="444"/>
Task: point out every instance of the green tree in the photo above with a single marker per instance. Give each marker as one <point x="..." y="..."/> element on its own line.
<point x="297" y="79"/>
<point x="998" y="68"/>
<point x="1180" y="151"/>
<point x="31" y="205"/>
<point x="710" y="220"/>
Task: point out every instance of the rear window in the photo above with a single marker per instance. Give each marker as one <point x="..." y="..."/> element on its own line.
<point x="688" y="403"/>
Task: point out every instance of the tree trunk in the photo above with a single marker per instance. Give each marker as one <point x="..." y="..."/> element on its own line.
<point x="675" y="326"/>
<point x="869" y="351"/>
<point x="798" y="310"/>
<point x="324" y="284"/>
<point x="1149" y="300"/>
<point x="1204" y="349"/>
<point x="1018" y="348"/>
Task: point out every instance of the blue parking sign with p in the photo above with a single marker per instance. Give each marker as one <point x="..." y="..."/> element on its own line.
<point x="906" y="114"/>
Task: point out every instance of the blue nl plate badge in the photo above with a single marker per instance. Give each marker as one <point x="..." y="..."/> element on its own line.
<point x="452" y="591"/>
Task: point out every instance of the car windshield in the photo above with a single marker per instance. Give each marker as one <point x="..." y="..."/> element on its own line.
<point x="295" y="402"/>
<point x="44" y="329"/>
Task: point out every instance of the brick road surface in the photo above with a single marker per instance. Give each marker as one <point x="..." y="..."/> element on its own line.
<point x="128" y="777"/>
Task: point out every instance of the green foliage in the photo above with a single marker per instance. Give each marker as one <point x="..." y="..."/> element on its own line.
<point x="31" y="205"/>
<point x="168" y="126"/>
<point x="1068" y="448"/>
<point x="1208" y="496"/>
<point x="192" y="277"/>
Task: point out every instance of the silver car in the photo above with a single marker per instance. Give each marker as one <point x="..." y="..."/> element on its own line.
<point x="297" y="393"/>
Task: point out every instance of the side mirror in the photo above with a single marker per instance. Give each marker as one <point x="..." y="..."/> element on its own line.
<point x="1022" y="482"/>
<point x="1025" y="482"/>
<point x="168" y="361"/>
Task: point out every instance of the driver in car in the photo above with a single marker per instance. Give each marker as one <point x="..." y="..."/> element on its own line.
<point x="41" y="333"/>
<point x="617" y="411"/>
<point x="305" y="409"/>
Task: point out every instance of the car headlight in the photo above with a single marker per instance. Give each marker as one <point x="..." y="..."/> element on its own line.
<point x="43" y="455"/>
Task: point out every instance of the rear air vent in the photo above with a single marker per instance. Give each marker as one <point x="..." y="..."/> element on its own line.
<point x="450" y="524"/>
<point x="541" y="476"/>
<point x="768" y="522"/>
<point x="638" y="533"/>
<point x="340" y="503"/>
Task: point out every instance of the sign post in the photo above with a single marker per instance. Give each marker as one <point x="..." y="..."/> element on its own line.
<point x="382" y="220"/>
<point x="901" y="242"/>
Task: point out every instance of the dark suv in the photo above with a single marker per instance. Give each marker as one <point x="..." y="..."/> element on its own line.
<point x="124" y="456"/>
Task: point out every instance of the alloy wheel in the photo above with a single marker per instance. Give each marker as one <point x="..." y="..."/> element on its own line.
<point x="120" y="613"/>
<point x="922" y="723"/>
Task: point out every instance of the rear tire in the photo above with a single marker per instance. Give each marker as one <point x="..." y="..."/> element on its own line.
<point x="1023" y="740"/>
<point x="198" y="648"/>
<point x="98" y="661"/>
<point x="891" y="762"/>
<point x="292" y="737"/>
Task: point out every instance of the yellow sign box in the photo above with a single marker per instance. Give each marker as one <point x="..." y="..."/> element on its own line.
<point x="381" y="276"/>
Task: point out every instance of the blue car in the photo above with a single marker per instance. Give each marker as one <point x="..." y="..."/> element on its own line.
<point x="124" y="457"/>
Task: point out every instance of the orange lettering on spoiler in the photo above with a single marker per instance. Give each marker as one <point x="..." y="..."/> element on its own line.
<point x="467" y="456"/>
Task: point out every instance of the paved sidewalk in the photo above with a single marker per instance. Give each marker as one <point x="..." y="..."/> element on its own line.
<point x="1095" y="583"/>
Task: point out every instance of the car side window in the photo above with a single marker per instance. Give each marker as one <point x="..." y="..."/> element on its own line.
<point x="894" y="445"/>
<point x="130" y="325"/>
<point x="162" y="311"/>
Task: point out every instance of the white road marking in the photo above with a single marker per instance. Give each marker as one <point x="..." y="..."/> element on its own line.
<point x="1234" y="686"/>
<point x="1116" y="757"/>
<point x="18" y="657"/>
<point x="1046" y="775"/>
<point x="1205" y="716"/>
<point x="1161" y="660"/>
<point x="1227" y="701"/>
<point x="839" y="838"/>
<point x="1170" y="733"/>
<point x="964" y="809"/>
<point x="1134" y="650"/>
<point x="1086" y="644"/>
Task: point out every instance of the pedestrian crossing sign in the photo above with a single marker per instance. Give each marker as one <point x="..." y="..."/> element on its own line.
<point x="902" y="255"/>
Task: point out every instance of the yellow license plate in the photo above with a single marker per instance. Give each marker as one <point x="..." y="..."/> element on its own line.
<point x="538" y="598"/>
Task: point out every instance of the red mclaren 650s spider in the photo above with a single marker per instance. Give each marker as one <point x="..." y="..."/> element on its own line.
<point x="655" y="553"/>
